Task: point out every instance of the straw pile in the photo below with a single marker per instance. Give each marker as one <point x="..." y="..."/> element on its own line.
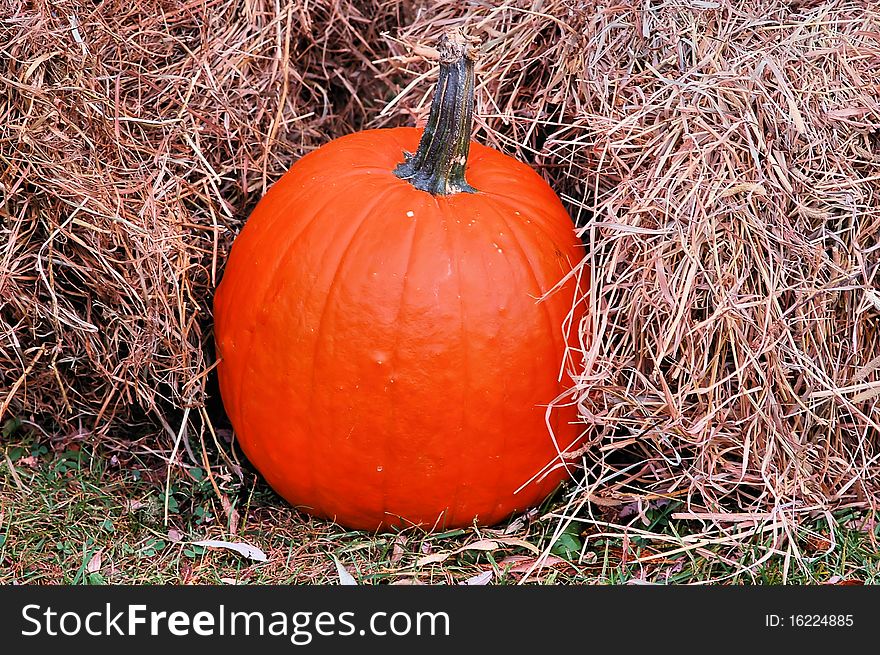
<point x="135" y="137"/>
<point x="720" y="158"/>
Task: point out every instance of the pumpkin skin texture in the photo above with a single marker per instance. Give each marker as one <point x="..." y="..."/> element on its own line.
<point x="384" y="358"/>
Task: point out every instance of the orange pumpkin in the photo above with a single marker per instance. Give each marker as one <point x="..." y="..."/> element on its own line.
<point x="387" y="356"/>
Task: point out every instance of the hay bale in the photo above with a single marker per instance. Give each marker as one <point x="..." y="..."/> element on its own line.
<point x="719" y="157"/>
<point x="722" y="158"/>
<point x="134" y="139"/>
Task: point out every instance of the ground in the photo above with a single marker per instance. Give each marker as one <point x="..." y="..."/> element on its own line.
<point x="75" y="513"/>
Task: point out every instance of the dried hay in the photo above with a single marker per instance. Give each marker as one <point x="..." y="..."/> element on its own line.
<point x="136" y="137"/>
<point x="721" y="160"/>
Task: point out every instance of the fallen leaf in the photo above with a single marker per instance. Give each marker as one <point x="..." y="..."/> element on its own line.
<point x="526" y="563"/>
<point x="246" y="550"/>
<point x="516" y="541"/>
<point x="480" y="579"/>
<point x="398" y="549"/>
<point x="837" y="580"/>
<point x="482" y="544"/>
<point x="601" y="501"/>
<point x="345" y="578"/>
<point x="94" y="564"/>
<point x="816" y="543"/>
<point x="231" y="514"/>
<point x="174" y="535"/>
<point x="515" y="526"/>
<point x="640" y="506"/>
<point x="186" y="573"/>
<point x="678" y="567"/>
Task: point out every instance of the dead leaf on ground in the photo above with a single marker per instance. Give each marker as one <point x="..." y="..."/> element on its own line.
<point x="816" y="543"/>
<point x="526" y="563"/>
<point x="837" y="580"/>
<point x="246" y="550"/>
<point x="94" y="564"/>
<point x="482" y="545"/>
<point x="186" y="573"/>
<point x="480" y="579"/>
<point x="516" y="541"/>
<point x="232" y="514"/>
<point x="398" y="549"/>
<point x="345" y="578"/>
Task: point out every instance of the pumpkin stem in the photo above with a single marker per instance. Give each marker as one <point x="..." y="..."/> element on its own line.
<point x="438" y="165"/>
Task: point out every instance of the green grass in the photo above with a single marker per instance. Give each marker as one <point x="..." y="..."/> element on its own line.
<point x="74" y="514"/>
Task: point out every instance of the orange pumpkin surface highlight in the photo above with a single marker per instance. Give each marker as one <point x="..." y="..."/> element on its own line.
<point x="387" y="354"/>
